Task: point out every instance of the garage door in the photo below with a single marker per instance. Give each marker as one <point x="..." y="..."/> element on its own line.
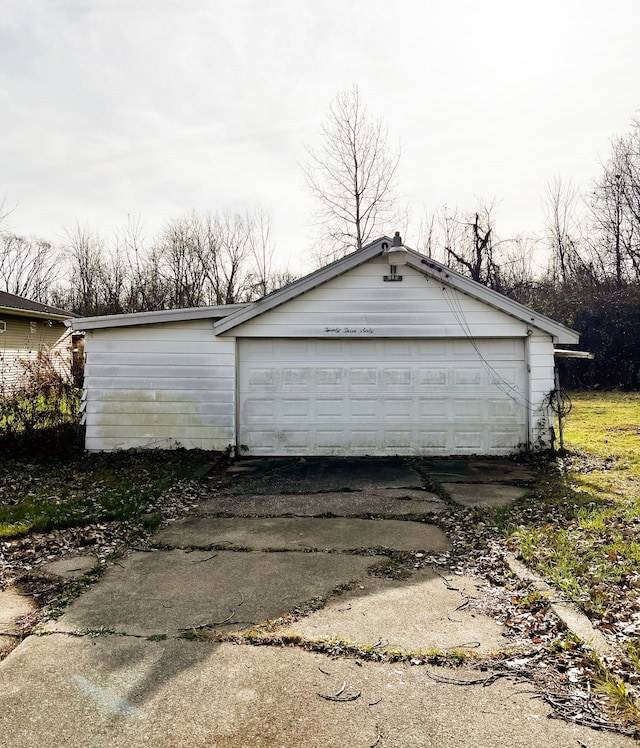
<point x="381" y="397"/>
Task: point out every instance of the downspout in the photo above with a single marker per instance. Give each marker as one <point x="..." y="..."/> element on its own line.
<point x="529" y="409"/>
<point x="559" y="406"/>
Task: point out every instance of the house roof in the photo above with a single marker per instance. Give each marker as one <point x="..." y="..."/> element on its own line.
<point x="26" y="308"/>
<point x="415" y="260"/>
<point x="153" y="318"/>
<point x="231" y="316"/>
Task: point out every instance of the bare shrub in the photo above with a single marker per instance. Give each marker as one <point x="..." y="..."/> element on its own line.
<point x="41" y="406"/>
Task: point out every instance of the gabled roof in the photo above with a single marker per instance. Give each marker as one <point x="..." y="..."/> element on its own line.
<point x="152" y="318"/>
<point x="26" y="308"/>
<point x="421" y="263"/>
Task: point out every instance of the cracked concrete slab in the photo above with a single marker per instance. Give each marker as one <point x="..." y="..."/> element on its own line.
<point x="295" y="533"/>
<point x="13" y="608"/>
<point x="117" y="692"/>
<point x="423" y="612"/>
<point x="373" y="501"/>
<point x="71" y="568"/>
<point x="309" y="475"/>
<point x="483" y="494"/>
<point x="477" y="470"/>
<point x="150" y="594"/>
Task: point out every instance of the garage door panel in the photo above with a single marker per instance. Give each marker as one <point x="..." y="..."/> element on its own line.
<point x="394" y="408"/>
<point x="333" y="439"/>
<point x="368" y="396"/>
<point x="468" y="440"/>
<point x="398" y="438"/>
<point x="436" y="440"/>
<point x="362" y="378"/>
<point x="392" y="377"/>
<point x="502" y="410"/>
<point x="433" y="409"/>
<point x="432" y="377"/>
<point x="295" y="408"/>
<point x="469" y="409"/>
<point x="467" y="378"/>
<point x="330" y="408"/>
<point x="259" y="408"/>
<point x="364" y="408"/>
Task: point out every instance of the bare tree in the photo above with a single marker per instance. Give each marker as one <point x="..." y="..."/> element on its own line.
<point x="28" y="267"/>
<point x="261" y="250"/>
<point x="563" y="231"/>
<point x="178" y="257"/>
<point x="144" y="289"/>
<point x="85" y="254"/>
<point x="464" y="242"/>
<point x="615" y="210"/>
<point x="352" y="176"/>
<point x="233" y="235"/>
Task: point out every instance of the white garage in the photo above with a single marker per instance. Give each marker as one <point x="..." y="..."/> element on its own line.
<point x="375" y="354"/>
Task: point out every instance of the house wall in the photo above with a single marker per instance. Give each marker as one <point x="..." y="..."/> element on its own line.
<point x="361" y="304"/>
<point x="541" y="382"/>
<point x="20" y="342"/>
<point x="159" y="386"/>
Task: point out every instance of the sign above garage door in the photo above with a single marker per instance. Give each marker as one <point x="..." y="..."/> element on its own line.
<point x="381" y="396"/>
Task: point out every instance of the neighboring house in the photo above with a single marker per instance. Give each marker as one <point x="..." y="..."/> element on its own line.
<point x="26" y="328"/>
<point x="383" y="352"/>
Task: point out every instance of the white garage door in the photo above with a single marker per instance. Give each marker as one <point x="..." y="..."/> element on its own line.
<point x="381" y="397"/>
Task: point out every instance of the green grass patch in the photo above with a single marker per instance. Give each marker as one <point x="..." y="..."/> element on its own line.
<point x="580" y="526"/>
<point x="45" y="494"/>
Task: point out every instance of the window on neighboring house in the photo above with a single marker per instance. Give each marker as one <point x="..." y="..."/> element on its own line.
<point x="3" y="326"/>
<point x="33" y="327"/>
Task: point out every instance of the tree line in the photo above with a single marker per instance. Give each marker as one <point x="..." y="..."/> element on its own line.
<point x="194" y="260"/>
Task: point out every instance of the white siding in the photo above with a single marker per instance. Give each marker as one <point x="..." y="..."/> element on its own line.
<point x="361" y="304"/>
<point x="541" y="383"/>
<point x="159" y="386"/>
<point x="20" y="343"/>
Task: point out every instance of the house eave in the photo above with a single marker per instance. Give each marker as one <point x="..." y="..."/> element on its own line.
<point x="153" y="318"/>
<point x="32" y="314"/>
<point x="435" y="270"/>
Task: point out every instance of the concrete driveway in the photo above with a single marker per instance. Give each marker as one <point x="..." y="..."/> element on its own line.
<point x="314" y="555"/>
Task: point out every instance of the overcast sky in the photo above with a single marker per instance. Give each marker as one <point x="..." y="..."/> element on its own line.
<point x="156" y="107"/>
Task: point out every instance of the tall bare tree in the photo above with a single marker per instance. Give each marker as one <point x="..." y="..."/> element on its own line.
<point x="261" y="250"/>
<point x="568" y="257"/>
<point x="615" y="209"/>
<point x="85" y="258"/>
<point x="28" y="267"/>
<point x="352" y="176"/>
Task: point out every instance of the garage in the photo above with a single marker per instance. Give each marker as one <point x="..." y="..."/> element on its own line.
<point x="383" y="397"/>
<point x="382" y="352"/>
